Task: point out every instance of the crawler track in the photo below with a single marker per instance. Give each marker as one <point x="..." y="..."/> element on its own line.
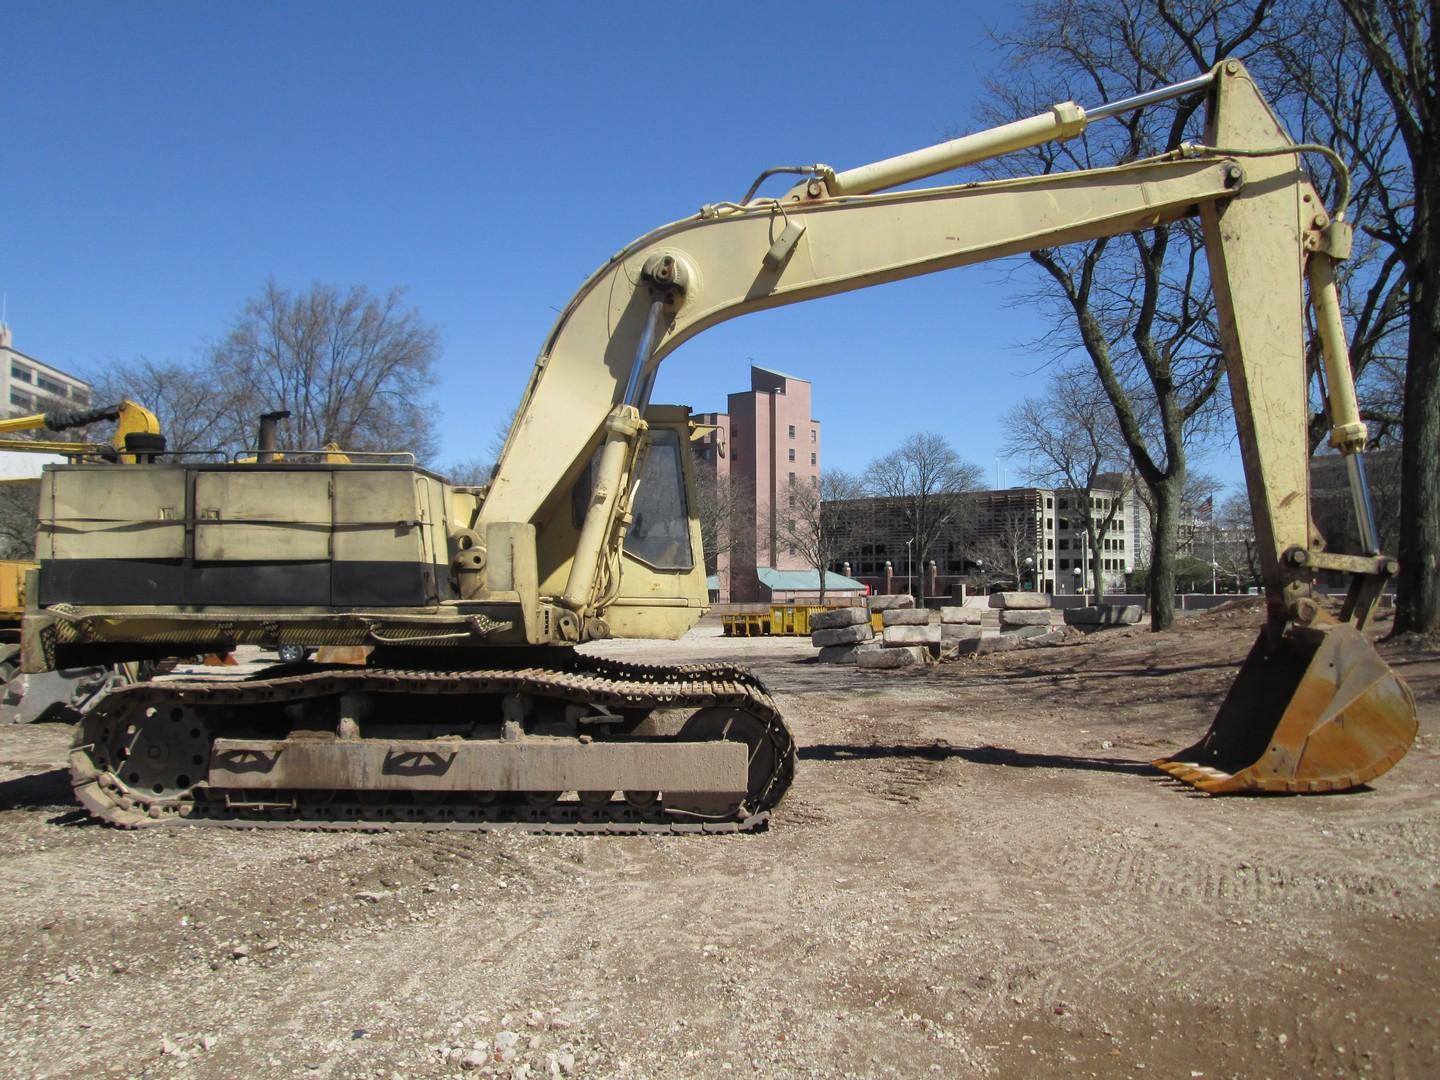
<point x="132" y="727"/>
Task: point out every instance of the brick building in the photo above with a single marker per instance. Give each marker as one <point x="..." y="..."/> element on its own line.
<point x="765" y="441"/>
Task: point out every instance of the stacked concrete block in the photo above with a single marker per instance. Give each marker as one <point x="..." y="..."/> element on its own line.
<point x="1013" y="617"/>
<point x="1022" y="615"/>
<point x="888" y="603"/>
<point x="837" y="632"/>
<point x="1019" y="601"/>
<point x="911" y="627"/>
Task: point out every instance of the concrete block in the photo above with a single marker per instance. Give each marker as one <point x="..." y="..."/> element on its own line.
<point x="1029" y="600"/>
<point x="906" y="617"/>
<point x="845" y="635"/>
<point x="912" y="635"/>
<point x="885" y="603"/>
<point x="1003" y="643"/>
<point x="1105" y="615"/>
<point x="838" y="654"/>
<point x="838" y="618"/>
<point x="952" y="632"/>
<point x="1020" y="632"/>
<point x="1046" y="638"/>
<point x="960" y="615"/>
<point x="1023" y="617"/>
<point x="891" y="659"/>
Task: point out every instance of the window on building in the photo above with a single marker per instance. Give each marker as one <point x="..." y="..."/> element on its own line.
<point x="1064" y="564"/>
<point x="812" y="459"/>
<point x="1049" y="564"/>
<point x="1122" y="545"/>
<point x="79" y="396"/>
<point x="792" y="456"/>
<point x="792" y="501"/>
<point x="1049" y="543"/>
<point x="21" y="399"/>
<point x="1049" y="503"/>
<point x="50" y="386"/>
<point x="1064" y="504"/>
<point x="1120" y="525"/>
<point x="1064" y="544"/>
<point x="1049" y="524"/>
<point x="812" y="434"/>
<point x="1064" y="523"/>
<point x="792" y="478"/>
<point x="792" y="431"/>
<point x="21" y="372"/>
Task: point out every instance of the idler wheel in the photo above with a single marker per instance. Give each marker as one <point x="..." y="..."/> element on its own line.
<point x="594" y="800"/>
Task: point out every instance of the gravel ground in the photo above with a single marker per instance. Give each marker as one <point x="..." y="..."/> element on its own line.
<point x="974" y="874"/>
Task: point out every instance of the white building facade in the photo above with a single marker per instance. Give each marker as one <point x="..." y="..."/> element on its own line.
<point x="28" y="385"/>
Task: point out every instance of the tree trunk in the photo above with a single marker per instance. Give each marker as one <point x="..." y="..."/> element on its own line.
<point x="1163" y="541"/>
<point x="1417" y="606"/>
<point x="821" y="599"/>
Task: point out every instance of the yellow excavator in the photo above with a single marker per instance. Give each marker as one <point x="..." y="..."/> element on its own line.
<point x="475" y="710"/>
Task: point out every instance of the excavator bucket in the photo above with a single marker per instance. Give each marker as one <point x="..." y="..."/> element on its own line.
<point x="1319" y="712"/>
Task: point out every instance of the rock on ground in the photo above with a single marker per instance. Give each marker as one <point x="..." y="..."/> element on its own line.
<point x="960" y="615"/>
<point x="838" y="654"/>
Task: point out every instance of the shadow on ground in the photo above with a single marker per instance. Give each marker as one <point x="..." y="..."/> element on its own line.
<point x="979" y="755"/>
<point x="46" y="789"/>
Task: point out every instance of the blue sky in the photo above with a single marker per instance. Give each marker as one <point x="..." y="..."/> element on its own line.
<point x="163" y="160"/>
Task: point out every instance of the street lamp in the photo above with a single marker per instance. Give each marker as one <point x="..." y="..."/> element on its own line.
<point x="1029" y="565"/>
<point x="1079" y="579"/>
<point x="908" y="587"/>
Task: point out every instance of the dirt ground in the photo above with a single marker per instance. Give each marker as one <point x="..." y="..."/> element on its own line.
<point x="974" y="874"/>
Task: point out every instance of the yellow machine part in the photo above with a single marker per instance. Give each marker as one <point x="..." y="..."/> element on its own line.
<point x="1318" y="711"/>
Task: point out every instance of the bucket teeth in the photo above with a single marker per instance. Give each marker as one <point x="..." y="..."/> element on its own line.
<point x="1201" y="777"/>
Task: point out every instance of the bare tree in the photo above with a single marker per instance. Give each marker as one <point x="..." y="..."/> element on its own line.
<point x="1236" y="555"/>
<point x="812" y="525"/>
<point x="926" y="479"/>
<point x="1329" y="92"/>
<point x="19" y="517"/>
<point x="724" y="507"/>
<point x="352" y="368"/>
<point x="192" y="402"/>
<point x="1398" y="40"/>
<point x="476" y="470"/>
<point x="1005" y="546"/>
<point x="1139" y="307"/>
<point x="1069" y="440"/>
